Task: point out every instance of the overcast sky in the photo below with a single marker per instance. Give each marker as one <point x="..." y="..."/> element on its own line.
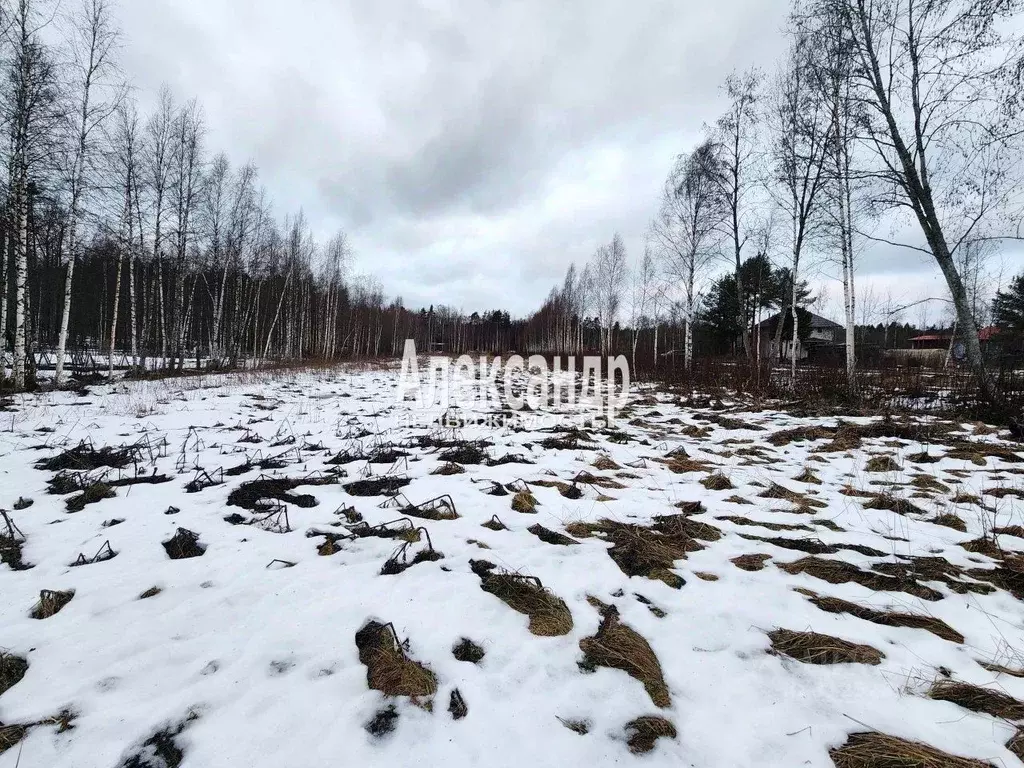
<point x="471" y="149"/>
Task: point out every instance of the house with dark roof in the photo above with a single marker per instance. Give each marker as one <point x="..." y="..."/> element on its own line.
<point x="824" y="340"/>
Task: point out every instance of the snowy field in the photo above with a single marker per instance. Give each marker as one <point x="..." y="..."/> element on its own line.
<point x="700" y="586"/>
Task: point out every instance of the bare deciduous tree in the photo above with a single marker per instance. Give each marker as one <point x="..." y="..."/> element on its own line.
<point x="96" y="92"/>
<point x="688" y="227"/>
<point x="940" y="82"/>
<point x="609" y="272"/>
<point x="735" y="145"/>
<point x="799" y="151"/>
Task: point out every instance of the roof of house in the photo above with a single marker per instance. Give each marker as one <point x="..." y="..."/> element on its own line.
<point x="817" y="321"/>
<point x="984" y="334"/>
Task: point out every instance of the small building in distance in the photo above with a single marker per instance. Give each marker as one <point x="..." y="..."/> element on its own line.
<point x="942" y="339"/>
<point x="820" y="338"/>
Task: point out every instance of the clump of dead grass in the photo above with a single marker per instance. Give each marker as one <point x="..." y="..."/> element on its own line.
<point x="883" y="463"/>
<point x="878" y="750"/>
<point x="438" y="508"/>
<point x="449" y="468"/>
<point x="10" y="735"/>
<point x="716" y="481"/>
<point x="12" y="670"/>
<point x="746" y="521"/>
<point x="388" y="669"/>
<point x="494" y="524"/>
<point x="524" y="502"/>
<point x="50" y="603"/>
<point x="650" y="552"/>
<point x="388" y="485"/>
<point x="816" y="648"/>
<point x="643" y="732"/>
<point x="842" y="572"/>
<point x="467" y="650"/>
<point x="937" y="627"/>
<point x="618" y="646"/>
<point x="551" y="537"/>
<point x="892" y="503"/>
<point x="949" y="520"/>
<point x="802" y="501"/>
<point x="85" y="457"/>
<point x="752" y="562"/>
<point x="605" y="464"/>
<point x="582" y="727"/>
<point x="92" y="493"/>
<point x="548" y="613"/>
<point x="183" y="545"/>
<point x="977" y="699"/>
<point x="254" y="494"/>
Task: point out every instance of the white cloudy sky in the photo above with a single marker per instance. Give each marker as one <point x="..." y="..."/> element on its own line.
<point x="471" y="149"/>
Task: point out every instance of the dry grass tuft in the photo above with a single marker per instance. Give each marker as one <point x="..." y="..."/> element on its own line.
<point x="966" y="498"/>
<point x="893" y="503"/>
<point x="746" y="521"/>
<point x="751" y="562"/>
<point x="10" y="735"/>
<point x="642" y="733"/>
<point x="467" y="650"/>
<point x="797" y="434"/>
<point x="936" y="626"/>
<point x="620" y="647"/>
<point x="808" y="476"/>
<point x="551" y="537"/>
<point x="705" y="576"/>
<point x="841" y="572"/>
<point x="50" y="603"/>
<point x="449" y="468"/>
<point x="1003" y="492"/>
<point x="738" y="500"/>
<point x="776" y="491"/>
<point x="151" y="592"/>
<point x="184" y="544"/>
<point x="605" y="464"/>
<point x="717" y="482"/>
<point x="825" y="522"/>
<point x="579" y="529"/>
<point x="879" y="750"/>
<point x="524" y="502"/>
<point x="929" y="483"/>
<point x="388" y="670"/>
<point x="12" y="670"/>
<point x="438" y="508"/>
<point x="815" y="648"/>
<point x="949" y="520"/>
<point x="582" y="727"/>
<point x="984" y="546"/>
<point x="457" y="706"/>
<point x="978" y="699"/>
<point x="652" y="552"/>
<point x="494" y="524"/>
<point x="884" y="463"/>
<point x="549" y="615"/>
<point x="92" y="493"/>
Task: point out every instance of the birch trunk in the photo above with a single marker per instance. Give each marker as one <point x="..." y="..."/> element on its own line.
<point x="20" y="282"/>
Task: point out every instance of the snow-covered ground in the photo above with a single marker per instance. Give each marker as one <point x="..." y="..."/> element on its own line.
<point x="247" y="655"/>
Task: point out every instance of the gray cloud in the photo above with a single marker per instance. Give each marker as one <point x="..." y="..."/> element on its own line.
<point x="471" y="149"/>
